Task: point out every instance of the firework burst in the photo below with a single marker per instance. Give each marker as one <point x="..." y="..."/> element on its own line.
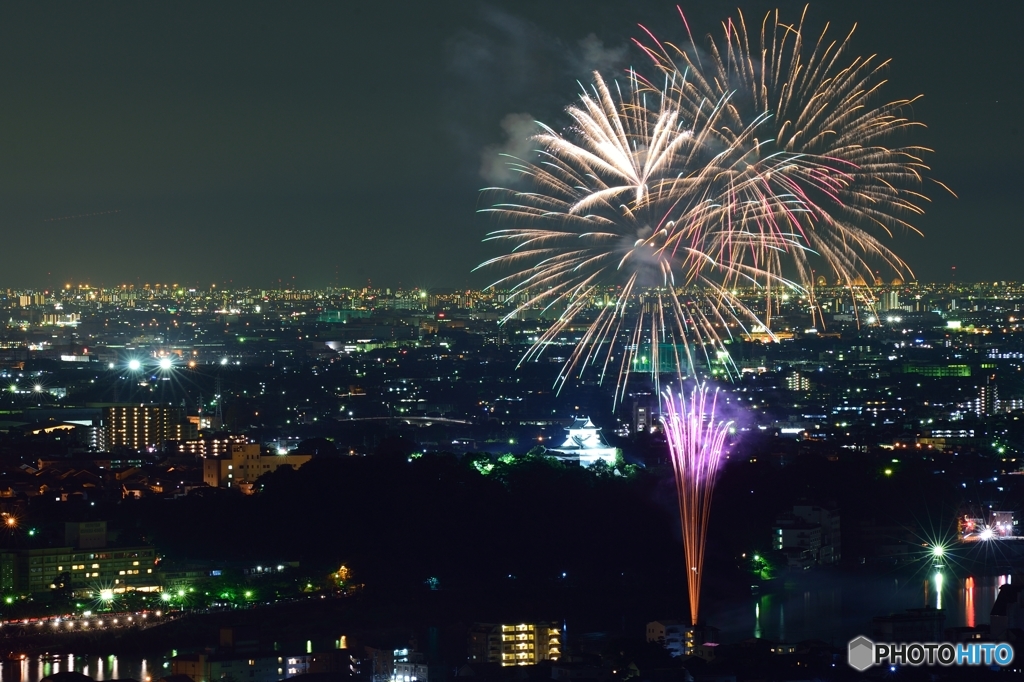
<point x="628" y="233"/>
<point x="751" y="166"/>
<point x="696" y="439"/>
<point x="813" y="127"/>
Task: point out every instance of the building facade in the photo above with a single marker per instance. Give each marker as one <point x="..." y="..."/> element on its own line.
<point x="809" y="535"/>
<point x="585" y="442"/>
<point x="511" y="645"/>
<point x="245" y="463"/>
<point x="141" y="427"/>
<point x="681" y="639"/>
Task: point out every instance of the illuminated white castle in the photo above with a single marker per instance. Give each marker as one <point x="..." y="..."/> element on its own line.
<point x="585" y="442"/>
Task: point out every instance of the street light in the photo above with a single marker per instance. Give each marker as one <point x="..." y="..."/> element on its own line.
<point x="165" y="364"/>
<point x="134" y="365"/>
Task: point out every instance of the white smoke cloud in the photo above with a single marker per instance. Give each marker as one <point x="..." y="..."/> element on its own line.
<point x="594" y="56"/>
<point x="519" y="130"/>
<point x="506" y="63"/>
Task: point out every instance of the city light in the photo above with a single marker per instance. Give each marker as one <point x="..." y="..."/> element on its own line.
<point x="107" y="594"/>
<point x="165" y="363"/>
<point x="134" y="365"/>
<point x="986" y="534"/>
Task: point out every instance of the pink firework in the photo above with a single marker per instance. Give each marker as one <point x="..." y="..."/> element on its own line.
<point x="696" y="440"/>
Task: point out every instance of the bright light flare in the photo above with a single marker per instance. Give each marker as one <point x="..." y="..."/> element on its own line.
<point x="166" y="363"/>
<point x="987" y="533"/>
<point x="134" y="364"/>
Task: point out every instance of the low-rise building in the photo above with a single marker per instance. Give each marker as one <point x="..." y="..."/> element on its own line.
<point x="808" y="529"/>
<point x="245" y="463"/>
<point x="681" y="639"/>
<point x="519" y="644"/>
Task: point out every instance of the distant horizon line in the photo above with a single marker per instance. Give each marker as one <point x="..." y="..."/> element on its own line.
<point x="230" y="286"/>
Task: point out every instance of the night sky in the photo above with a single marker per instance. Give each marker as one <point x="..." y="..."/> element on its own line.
<point x="321" y="143"/>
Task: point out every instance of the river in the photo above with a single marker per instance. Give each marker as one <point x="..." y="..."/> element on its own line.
<point x="834" y="608"/>
<point x="829" y="606"/>
<point x="102" y="668"/>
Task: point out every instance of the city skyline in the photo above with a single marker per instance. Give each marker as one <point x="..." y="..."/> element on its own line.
<point x="276" y="144"/>
<point x="511" y="340"/>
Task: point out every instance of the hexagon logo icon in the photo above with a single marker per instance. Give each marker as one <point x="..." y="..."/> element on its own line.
<point x="861" y="654"/>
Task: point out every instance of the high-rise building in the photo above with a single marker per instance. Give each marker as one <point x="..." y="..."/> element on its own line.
<point x="798" y="382"/>
<point x="145" y="426"/>
<point x="889" y="300"/>
<point x="987" y="402"/>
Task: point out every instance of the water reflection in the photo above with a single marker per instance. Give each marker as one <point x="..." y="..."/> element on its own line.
<point x="100" y="668"/>
<point x="836" y="608"/>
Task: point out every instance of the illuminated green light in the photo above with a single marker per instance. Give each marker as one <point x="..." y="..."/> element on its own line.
<point x="248" y="594"/>
<point x="165" y="596"/>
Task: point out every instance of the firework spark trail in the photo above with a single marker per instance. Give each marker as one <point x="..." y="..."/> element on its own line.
<point x="811" y="128"/>
<point x="635" y="197"/>
<point x="745" y="168"/>
<point x="696" y="439"/>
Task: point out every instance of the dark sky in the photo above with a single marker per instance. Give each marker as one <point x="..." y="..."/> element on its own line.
<point x="342" y="141"/>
